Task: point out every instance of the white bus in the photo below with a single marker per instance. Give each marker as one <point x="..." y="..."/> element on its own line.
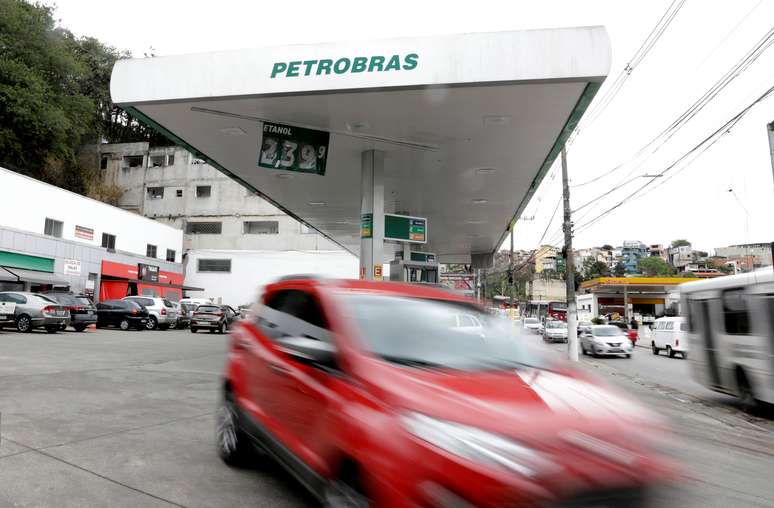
<point x="731" y="334"/>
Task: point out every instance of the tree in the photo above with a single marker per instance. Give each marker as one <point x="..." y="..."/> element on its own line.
<point x="607" y="247"/>
<point x="681" y="243"/>
<point x="654" y="267"/>
<point x="619" y="270"/>
<point x="592" y="269"/>
<point x="54" y="97"/>
<point x="702" y="254"/>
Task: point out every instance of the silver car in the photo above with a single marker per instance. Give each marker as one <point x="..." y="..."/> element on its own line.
<point x="162" y="312"/>
<point x="34" y="310"/>
<point x="555" y="331"/>
<point x="606" y="340"/>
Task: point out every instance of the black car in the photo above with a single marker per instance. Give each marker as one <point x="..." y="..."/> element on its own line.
<point x="213" y="318"/>
<point x="184" y="313"/>
<point x="124" y="314"/>
<point x="82" y="312"/>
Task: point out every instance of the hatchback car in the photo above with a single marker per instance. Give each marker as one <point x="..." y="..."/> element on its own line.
<point x="124" y="314"/>
<point x="371" y="395"/>
<point x="161" y="312"/>
<point x="82" y="312"/>
<point x="532" y="324"/>
<point x="606" y="340"/>
<point x="34" y="310"/>
<point x="215" y="318"/>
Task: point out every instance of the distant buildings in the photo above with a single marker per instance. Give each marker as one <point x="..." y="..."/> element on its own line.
<point x="631" y="253"/>
<point x="745" y="257"/>
<point x="545" y="259"/>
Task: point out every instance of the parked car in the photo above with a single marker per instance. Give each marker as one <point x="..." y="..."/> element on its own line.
<point x="605" y="340"/>
<point x="532" y="324"/>
<point x="368" y="393"/>
<point x="184" y="313"/>
<point x="82" y="312"/>
<point x="124" y="314"/>
<point x="555" y="331"/>
<point x="213" y="318"/>
<point x="196" y="301"/>
<point x="670" y="334"/>
<point x="7" y="310"/>
<point x="161" y="312"/>
<point x="34" y="310"/>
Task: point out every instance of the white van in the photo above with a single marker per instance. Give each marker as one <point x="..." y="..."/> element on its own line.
<point x="670" y="334"/>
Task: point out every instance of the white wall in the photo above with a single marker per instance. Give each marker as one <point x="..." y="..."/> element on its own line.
<point x="26" y="203"/>
<point x="251" y="270"/>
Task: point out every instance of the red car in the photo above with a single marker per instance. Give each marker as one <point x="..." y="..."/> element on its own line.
<point x="373" y="394"/>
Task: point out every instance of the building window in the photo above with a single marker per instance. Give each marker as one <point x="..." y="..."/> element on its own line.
<point x="203" y="191"/>
<point x="179" y="193"/>
<point x="260" y="227"/>
<point x="155" y="192"/>
<point x="109" y="241"/>
<point x="214" y="265"/>
<point x="53" y="228"/>
<point x="204" y="228"/>
<point x="133" y="161"/>
<point x="170" y="255"/>
<point x="171" y="159"/>
<point x="150" y="251"/>
<point x="156" y="161"/>
<point x="103" y="162"/>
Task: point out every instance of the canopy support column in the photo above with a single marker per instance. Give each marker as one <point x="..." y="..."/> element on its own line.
<point x="372" y="203"/>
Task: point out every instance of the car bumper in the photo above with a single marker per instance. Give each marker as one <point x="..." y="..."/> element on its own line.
<point x="83" y="319"/>
<point x="555" y="338"/>
<point x="625" y="348"/>
<point x="205" y="324"/>
<point x="166" y="320"/>
<point x="51" y="321"/>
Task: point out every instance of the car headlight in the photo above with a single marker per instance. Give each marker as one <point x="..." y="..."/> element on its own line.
<point x="477" y="445"/>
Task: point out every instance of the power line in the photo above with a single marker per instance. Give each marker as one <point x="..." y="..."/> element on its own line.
<point x="697" y="106"/>
<point x="697" y="150"/>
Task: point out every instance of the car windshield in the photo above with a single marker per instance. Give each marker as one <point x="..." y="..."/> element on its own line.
<point x="606" y="331"/>
<point x="556" y="324"/>
<point x="207" y="308"/>
<point x="82" y="300"/>
<point x="421" y="333"/>
<point x="531" y="321"/>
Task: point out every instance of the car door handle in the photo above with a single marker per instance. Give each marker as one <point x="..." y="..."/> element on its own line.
<point x="278" y="369"/>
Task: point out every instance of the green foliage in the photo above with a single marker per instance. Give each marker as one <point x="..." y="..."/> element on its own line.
<point x="619" y="270"/>
<point x="681" y="243"/>
<point x="689" y="275"/>
<point x="54" y="97"/>
<point x="607" y="246"/>
<point x="654" y="267"/>
<point x="597" y="321"/>
<point x="592" y="269"/>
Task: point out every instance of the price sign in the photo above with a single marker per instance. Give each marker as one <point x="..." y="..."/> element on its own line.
<point x="293" y="149"/>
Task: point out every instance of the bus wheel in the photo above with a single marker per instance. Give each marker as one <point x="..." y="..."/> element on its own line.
<point x="745" y="391"/>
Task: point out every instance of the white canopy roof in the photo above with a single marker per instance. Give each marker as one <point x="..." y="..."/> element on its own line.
<point x="469" y="123"/>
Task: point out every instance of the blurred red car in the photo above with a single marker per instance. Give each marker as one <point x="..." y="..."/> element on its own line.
<point x="374" y="394"/>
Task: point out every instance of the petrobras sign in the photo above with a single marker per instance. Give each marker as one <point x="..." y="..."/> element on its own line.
<point x="345" y="65"/>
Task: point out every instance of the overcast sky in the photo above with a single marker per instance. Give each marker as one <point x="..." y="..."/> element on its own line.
<point x="706" y="39"/>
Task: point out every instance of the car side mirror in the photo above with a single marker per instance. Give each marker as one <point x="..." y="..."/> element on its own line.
<point x="309" y="351"/>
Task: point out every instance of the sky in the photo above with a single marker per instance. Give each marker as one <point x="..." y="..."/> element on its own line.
<point x="724" y="197"/>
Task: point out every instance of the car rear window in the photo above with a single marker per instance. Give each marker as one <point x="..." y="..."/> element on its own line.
<point x="45" y="298"/>
<point x="207" y="308"/>
<point x="167" y="303"/>
<point x="82" y="300"/>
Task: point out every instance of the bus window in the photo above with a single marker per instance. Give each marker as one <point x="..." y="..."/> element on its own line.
<point x="735" y="314"/>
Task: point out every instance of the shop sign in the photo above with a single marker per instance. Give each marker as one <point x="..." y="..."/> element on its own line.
<point x="402" y="228"/>
<point x="345" y="65"/>
<point x="293" y="149"/>
<point x="84" y="233"/>
<point x="72" y="267"/>
<point x="367" y="225"/>
<point x="149" y="273"/>
<point x="378" y="271"/>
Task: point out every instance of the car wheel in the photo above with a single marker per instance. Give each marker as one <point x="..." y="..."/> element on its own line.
<point x="24" y="323"/>
<point x="124" y="324"/>
<point x="233" y="444"/>
<point x="212" y="330"/>
<point x="654" y="348"/>
<point x="79" y="328"/>
<point x="670" y="352"/>
<point x="628" y="355"/>
<point x="221" y="328"/>
<point x="345" y="492"/>
<point x="193" y="329"/>
<point x="684" y="355"/>
<point x="583" y="350"/>
<point x="52" y="329"/>
<point x="745" y="391"/>
<point x="152" y="323"/>
<point x="173" y="325"/>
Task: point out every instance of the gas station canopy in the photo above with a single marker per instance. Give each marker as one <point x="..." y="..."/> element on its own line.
<point x="468" y="124"/>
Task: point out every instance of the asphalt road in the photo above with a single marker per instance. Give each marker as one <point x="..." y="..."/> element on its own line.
<point x="111" y="418"/>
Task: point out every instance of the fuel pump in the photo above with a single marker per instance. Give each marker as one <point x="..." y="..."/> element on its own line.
<point x="421" y="267"/>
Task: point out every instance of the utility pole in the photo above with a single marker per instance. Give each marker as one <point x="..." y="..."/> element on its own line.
<point x="770" y="129"/>
<point x="572" y="330"/>
<point x="511" y="277"/>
